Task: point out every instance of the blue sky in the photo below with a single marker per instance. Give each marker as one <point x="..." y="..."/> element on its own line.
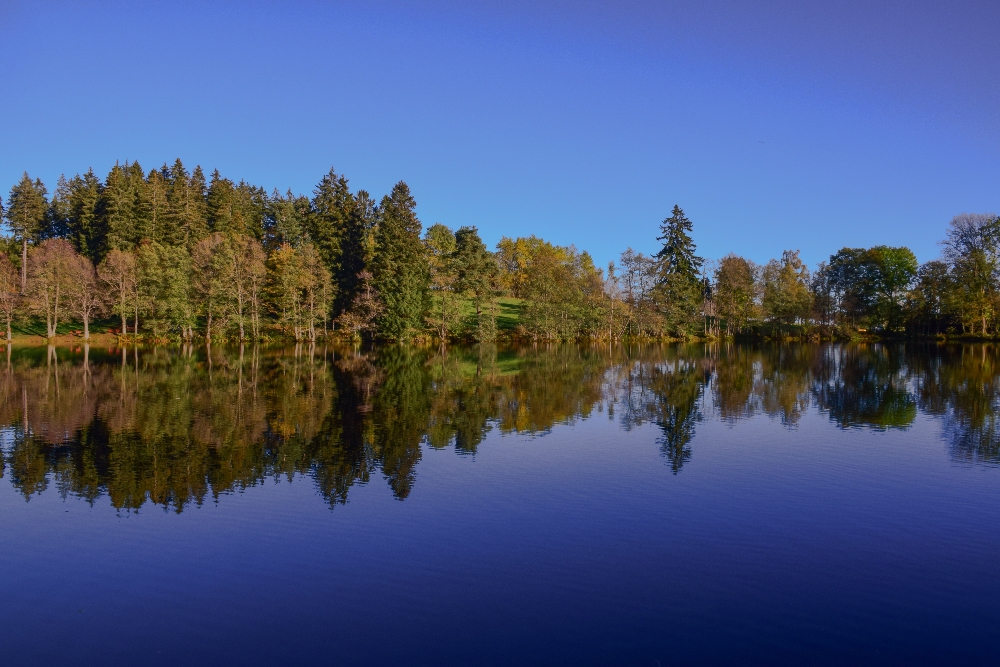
<point x="773" y="124"/>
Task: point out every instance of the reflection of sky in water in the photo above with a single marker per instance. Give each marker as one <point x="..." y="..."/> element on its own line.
<point x="787" y="505"/>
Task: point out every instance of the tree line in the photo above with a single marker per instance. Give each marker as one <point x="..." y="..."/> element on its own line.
<point x="171" y="254"/>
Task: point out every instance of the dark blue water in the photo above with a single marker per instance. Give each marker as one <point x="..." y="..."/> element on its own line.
<point x="668" y="506"/>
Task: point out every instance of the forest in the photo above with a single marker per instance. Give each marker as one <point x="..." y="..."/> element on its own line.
<point x="170" y="255"/>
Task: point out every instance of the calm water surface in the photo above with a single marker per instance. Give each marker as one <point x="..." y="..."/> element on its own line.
<point x="562" y="505"/>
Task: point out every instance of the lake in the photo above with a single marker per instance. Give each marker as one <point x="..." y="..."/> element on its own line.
<point x="578" y="505"/>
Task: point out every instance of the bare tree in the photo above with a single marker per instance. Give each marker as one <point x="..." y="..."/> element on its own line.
<point x="10" y="297"/>
<point x="210" y="289"/>
<point x="256" y="274"/>
<point x="245" y="270"/>
<point x="83" y="291"/>
<point x="49" y="279"/>
<point x="315" y="284"/>
<point x="117" y="273"/>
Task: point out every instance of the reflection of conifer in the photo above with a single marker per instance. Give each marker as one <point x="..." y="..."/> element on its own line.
<point x="678" y="391"/>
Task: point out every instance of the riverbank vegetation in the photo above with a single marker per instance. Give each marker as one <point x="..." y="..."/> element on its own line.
<point x="169" y="254"/>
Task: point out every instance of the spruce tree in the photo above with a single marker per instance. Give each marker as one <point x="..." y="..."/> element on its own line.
<point x="117" y="210"/>
<point x="26" y="213"/>
<point x="399" y="268"/>
<point x="57" y="220"/>
<point x="355" y="251"/>
<point x="187" y="209"/>
<point x="220" y="203"/>
<point x="332" y="208"/>
<point x="252" y="206"/>
<point x="679" y="287"/>
<point x="154" y="204"/>
<point x="285" y="220"/>
<point x="79" y="202"/>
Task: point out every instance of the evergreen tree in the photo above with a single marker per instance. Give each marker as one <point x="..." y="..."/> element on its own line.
<point x="356" y="250"/>
<point x="332" y="208"/>
<point x="164" y="288"/>
<point x="118" y="209"/>
<point x="140" y="211"/>
<point x="677" y="256"/>
<point x="82" y="223"/>
<point x="57" y="219"/>
<point x="679" y="286"/>
<point x="27" y="209"/>
<point x="253" y="203"/>
<point x="187" y="214"/>
<point x="399" y="268"/>
<point x="285" y="220"/>
<point x="221" y="203"/>
<point x="476" y="272"/>
<point x="445" y="303"/>
<point x="154" y="204"/>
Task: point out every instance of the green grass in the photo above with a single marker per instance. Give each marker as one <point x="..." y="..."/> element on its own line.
<point x="508" y="312"/>
<point x="36" y="327"/>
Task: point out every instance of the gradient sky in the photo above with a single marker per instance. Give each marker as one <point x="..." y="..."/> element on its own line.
<point x="773" y="124"/>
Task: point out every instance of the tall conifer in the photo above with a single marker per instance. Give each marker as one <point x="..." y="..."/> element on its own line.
<point x="155" y="204"/>
<point x="118" y="215"/>
<point x="187" y="210"/>
<point x="83" y="228"/>
<point x="399" y="268"/>
<point x="332" y="207"/>
<point x="355" y="250"/>
<point x="27" y="209"/>
<point x="679" y="285"/>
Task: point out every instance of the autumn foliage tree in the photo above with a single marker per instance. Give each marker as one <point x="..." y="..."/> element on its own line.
<point x="10" y="297"/>
<point x="52" y="270"/>
<point x="117" y="274"/>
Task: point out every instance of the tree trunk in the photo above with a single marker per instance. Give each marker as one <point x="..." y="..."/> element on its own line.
<point x="312" y="318"/>
<point x="55" y="314"/>
<point x="24" y="264"/>
<point x="48" y="317"/>
<point x="86" y="326"/>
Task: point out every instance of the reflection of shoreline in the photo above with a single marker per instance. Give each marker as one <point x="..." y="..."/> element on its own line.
<point x="177" y="425"/>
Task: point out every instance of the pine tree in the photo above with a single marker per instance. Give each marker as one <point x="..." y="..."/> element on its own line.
<point x="399" y="267"/>
<point x="679" y="287"/>
<point x="27" y="209"/>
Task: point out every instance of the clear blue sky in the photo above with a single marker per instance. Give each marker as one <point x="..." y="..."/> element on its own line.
<point x="773" y="124"/>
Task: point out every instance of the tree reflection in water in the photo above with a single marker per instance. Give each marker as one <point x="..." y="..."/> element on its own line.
<point x="176" y="426"/>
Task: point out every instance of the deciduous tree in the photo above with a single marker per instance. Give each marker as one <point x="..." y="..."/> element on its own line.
<point x="26" y="211"/>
